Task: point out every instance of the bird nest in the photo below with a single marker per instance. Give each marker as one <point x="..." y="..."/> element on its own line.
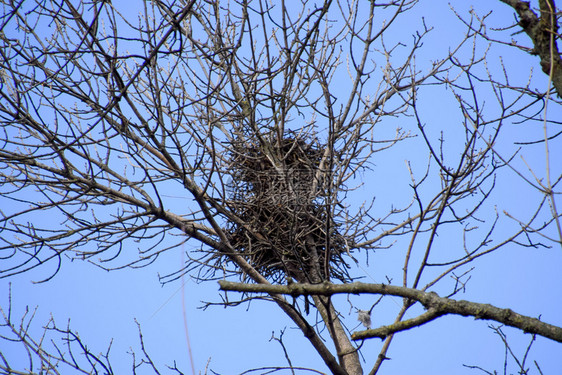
<point x="281" y="196"/>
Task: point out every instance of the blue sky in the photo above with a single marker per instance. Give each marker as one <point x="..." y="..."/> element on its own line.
<point x="102" y="306"/>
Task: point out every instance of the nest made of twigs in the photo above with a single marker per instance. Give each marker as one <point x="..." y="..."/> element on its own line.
<point x="282" y="198"/>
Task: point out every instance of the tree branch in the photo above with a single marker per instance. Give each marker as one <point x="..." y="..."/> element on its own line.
<point x="543" y="32"/>
<point x="437" y="306"/>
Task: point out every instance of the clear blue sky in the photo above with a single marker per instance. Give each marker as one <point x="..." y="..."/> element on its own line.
<point x="102" y="305"/>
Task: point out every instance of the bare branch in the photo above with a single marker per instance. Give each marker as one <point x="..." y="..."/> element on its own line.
<point x="436" y="306"/>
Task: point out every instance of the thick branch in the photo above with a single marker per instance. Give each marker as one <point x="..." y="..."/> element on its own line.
<point x="543" y="32"/>
<point x="437" y="306"/>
